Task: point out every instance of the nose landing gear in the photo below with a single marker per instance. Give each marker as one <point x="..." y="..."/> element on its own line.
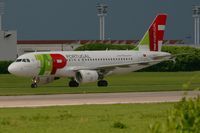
<point x="35" y="80"/>
<point x="34" y="85"/>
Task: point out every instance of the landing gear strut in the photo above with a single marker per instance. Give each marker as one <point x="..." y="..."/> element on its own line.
<point x="73" y="83"/>
<point x="34" y="82"/>
<point x="102" y="83"/>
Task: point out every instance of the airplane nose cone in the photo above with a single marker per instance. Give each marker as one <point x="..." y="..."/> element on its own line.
<point x="12" y="69"/>
<point x="15" y="69"/>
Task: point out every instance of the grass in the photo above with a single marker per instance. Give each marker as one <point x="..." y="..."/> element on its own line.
<point x="136" y="81"/>
<point x="121" y="118"/>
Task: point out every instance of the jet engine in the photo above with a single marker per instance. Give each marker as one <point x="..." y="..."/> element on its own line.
<point x="86" y="76"/>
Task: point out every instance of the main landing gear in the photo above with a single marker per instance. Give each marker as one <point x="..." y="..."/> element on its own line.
<point x="73" y="83"/>
<point x="102" y="83"/>
<point x="34" y="82"/>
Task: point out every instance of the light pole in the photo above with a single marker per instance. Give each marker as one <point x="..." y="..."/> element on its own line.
<point x="102" y="12"/>
<point x="196" y="16"/>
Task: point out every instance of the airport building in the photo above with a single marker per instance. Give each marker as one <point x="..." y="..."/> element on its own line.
<point x="8" y="39"/>
<point x="8" y="47"/>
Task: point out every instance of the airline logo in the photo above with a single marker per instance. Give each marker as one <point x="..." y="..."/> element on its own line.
<point x="153" y="38"/>
<point x="50" y="63"/>
<point x="156" y="32"/>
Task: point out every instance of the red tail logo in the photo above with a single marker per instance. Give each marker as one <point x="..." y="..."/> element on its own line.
<point x="156" y="32"/>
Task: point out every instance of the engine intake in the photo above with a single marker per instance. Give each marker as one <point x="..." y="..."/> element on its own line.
<point x="86" y="76"/>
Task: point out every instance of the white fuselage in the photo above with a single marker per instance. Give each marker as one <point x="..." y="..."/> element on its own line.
<point x="31" y="65"/>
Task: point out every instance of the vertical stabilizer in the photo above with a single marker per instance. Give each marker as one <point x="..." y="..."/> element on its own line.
<point x="153" y="38"/>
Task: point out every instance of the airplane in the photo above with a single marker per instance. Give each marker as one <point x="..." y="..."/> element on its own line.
<point x="93" y="66"/>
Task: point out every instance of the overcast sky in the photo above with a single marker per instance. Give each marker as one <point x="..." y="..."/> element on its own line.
<point x="77" y="19"/>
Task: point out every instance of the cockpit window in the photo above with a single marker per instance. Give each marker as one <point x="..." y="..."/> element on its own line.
<point x="23" y="60"/>
<point x="18" y="60"/>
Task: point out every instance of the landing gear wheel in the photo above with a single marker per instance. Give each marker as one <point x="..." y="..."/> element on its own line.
<point x="73" y="83"/>
<point x="35" y="82"/>
<point x="34" y="85"/>
<point x="102" y="83"/>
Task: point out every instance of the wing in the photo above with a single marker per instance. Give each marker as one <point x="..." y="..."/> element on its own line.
<point x="106" y="68"/>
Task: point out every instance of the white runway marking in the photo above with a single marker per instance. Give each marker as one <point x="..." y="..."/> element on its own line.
<point x="97" y="98"/>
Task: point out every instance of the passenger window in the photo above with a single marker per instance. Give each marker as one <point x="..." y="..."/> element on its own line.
<point x="23" y="60"/>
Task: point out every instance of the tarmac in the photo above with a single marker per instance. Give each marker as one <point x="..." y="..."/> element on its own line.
<point x="94" y="98"/>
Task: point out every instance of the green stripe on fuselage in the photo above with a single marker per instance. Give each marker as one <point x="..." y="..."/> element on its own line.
<point x="48" y="64"/>
<point x="40" y="58"/>
<point x="45" y="64"/>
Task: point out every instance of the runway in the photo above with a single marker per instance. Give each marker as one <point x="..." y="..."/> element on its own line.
<point x="97" y="98"/>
